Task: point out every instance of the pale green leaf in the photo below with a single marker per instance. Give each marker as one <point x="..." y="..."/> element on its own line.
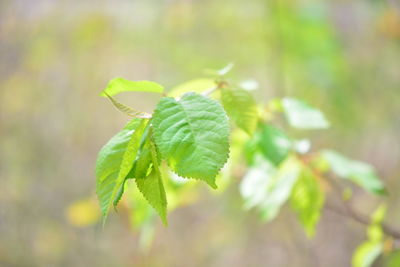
<point x="366" y="254"/>
<point x="192" y="134"/>
<point x="221" y="72"/>
<point x="118" y="85"/>
<point x="127" y="110"/>
<point x="197" y="86"/>
<point x="307" y="200"/>
<point x="274" y="144"/>
<point x="241" y="108"/>
<point x="359" y="172"/>
<point x="374" y="230"/>
<point x="279" y="188"/>
<point x="249" y="85"/>
<point x="152" y="188"/>
<point x="302" y="146"/>
<point x="225" y="70"/>
<point x="114" y="162"/>
<point x="254" y="185"/>
<point x="301" y="115"/>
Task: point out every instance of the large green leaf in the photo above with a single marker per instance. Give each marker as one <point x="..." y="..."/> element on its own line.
<point x="307" y="200"/>
<point x="241" y="107"/>
<point x="359" y="172"/>
<point x="114" y="162"/>
<point x="279" y="188"/>
<point x="274" y="144"/>
<point x="303" y="116"/>
<point x="118" y="85"/>
<point x="192" y="134"/>
<point x="152" y="187"/>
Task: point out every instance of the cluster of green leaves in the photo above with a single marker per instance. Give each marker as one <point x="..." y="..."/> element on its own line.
<point x="191" y="134"/>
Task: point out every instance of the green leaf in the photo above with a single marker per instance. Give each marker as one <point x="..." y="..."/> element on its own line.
<point x="359" y="172"/>
<point x="393" y="259"/>
<point x="197" y="86"/>
<point x="152" y="188"/>
<point x="143" y="163"/>
<point x="274" y="144"/>
<point x="366" y="254"/>
<point x="114" y="162"/>
<point x="225" y="70"/>
<point x="192" y="134"/>
<point x="221" y="72"/>
<point x="374" y="230"/>
<point x="307" y="200"/>
<point x="128" y="110"/>
<point x="255" y="183"/>
<point x="249" y="85"/>
<point x="268" y="188"/>
<point x="303" y="116"/>
<point x="118" y="85"/>
<point x="141" y="166"/>
<point x="279" y="188"/>
<point x="241" y="107"/>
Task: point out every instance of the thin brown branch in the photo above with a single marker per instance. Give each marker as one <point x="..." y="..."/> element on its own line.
<point x="362" y="219"/>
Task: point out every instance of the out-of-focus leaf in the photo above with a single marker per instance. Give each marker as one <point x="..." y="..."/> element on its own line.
<point x="114" y="162"/>
<point x="83" y="213"/>
<point x="152" y="188"/>
<point x="301" y="115"/>
<point x="241" y="107"/>
<point x="254" y="185"/>
<point x="366" y="254"/>
<point x="225" y="70"/>
<point x="274" y="144"/>
<point x="393" y="259"/>
<point x="279" y="188"/>
<point x="359" y="172"/>
<point x="192" y="134"/>
<point x="118" y="85"/>
<point x="249" y="85"/>
<point x="197" y="86"/>
<point x="302" y="146"/>
<point x="369" y="251"/>
<point x="221" y="72"/>
<point x="374" y="230"/>
<point x="307" y="200"/>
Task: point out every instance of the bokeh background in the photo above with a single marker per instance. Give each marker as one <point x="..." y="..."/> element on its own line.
<point x="342" y="56"/>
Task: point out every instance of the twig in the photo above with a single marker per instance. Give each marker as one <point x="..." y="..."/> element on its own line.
<point x="349" y="211"/>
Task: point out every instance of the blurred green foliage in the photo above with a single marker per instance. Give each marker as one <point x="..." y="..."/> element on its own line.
<point x="56" y="56"/>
